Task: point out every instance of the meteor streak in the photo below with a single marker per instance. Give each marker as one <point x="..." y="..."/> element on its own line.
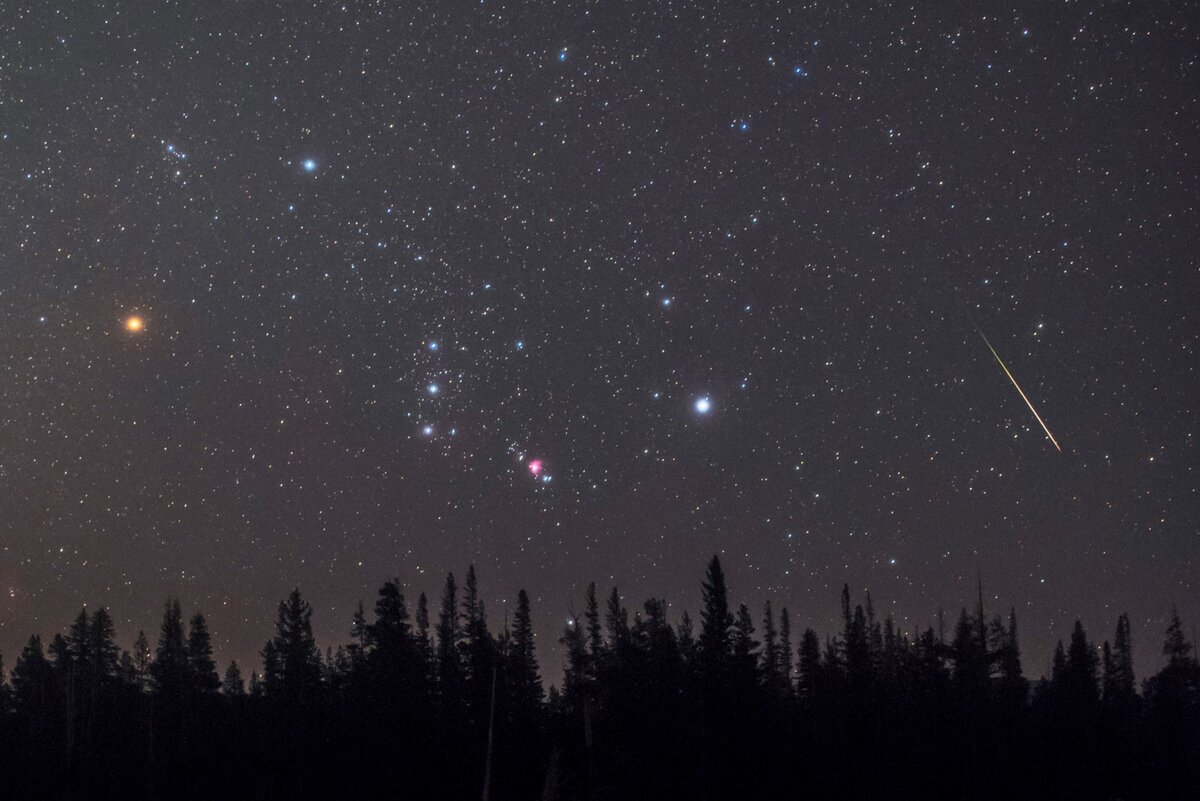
<point x="1024" y="397"/>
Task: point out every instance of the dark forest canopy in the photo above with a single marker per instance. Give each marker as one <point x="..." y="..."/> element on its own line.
<point x="738" y="703"/>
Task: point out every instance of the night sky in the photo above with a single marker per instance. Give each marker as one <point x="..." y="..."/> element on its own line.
<point x="592" y="291"/>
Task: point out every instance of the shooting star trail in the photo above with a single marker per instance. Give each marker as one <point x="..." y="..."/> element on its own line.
<point x="1024" y="397"/>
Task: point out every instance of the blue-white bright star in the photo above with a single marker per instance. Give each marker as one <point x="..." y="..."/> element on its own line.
<point x="309" y="165"/>
<point x="703" y="405"/>
<point x="433" y="345"/>
<point x="427" y="431"/>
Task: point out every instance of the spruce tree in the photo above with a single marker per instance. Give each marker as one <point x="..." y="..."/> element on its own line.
<point x="389" y="649"/>
<point x="809" y="667"/>
<point x="745" y="649"/>
<point x="291" y="661"/>
<point x="142" y="659"/>
<point x="232" y="686"/>
<point x="1176" y="648"/>
<point x="1058" y="666"/>
<point x="522" y="659"/>
<point x="595" y="635"/>
<point x="169" y="669"/>
<point x="79" y="641"/>
<point x="1122" y="659"/>
<point x="1013" y="685"/>
<point x="201" y="670"/>
<point x="358" y="635"/>
<point x="770" y="649"/>
<point x="478" y="649"/>
<point x="102" y="645"/>
<point x="575" y="677"/>
<point x="785" y="647"/>
<point x="449" y="663"/>
<point x="686" y="637"/>
<point x="1080" y="676"/>
<point x="32" y="679"/>
<point x="715" y="622"/>
<point x="423" y="635"/>
<point x="616" y="620"/>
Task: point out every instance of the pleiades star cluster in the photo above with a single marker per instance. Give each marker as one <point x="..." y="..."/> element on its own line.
<point x="318" y="294"/>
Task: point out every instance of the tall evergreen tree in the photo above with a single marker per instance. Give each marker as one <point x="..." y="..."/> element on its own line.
<point x="32" y="679"/>
<point x="477" y="646"/>
<point x="291" y="661"/>
<point x="389" y="644"/>
<point x="970" y="657"/>
<point x="770" y="649"/>
<point x="78" y="642"/>
<point x="201" y="669"/>
<point x="715" y="621"/>
<point x="1176" y="647"/>
<point x="142" y="657"/>
<point x="449" y="634"/>
<point x="1058" y="666"/>
<point x="169" y="669"/>
<point x="616" y="620"/>
<point x="591" y="613"/>
<point x="522" y="666"/>
<point x="1012" y="684"/>
<point x="809" y="666"/>
<point x="358" y="636"/>
<point x="424" y="634"/>
<point x="785" y="647"/>
<point x="1118" y="680"/>
<point x="686" y="637"/>
<point x="102" y="644"/>
<point x="1080" y="678"/>
<point x="575" y="676"/>
<point x="232" y="686"/>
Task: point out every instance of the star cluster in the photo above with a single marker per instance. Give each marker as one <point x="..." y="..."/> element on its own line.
<point x="317" y="294"/>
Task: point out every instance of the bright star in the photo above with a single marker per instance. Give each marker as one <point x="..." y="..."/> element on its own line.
<point x="703" y="405"/>
<point x="562" y="54"/>
<point x="309" y="165"/>
<point x="520" y="344"/>
<point x="666" y="301"/>
<point x="134" y="324"/>
<point x="434" y="389"/>
<point x="427" y="431"/>
<point x="433" y="345"/>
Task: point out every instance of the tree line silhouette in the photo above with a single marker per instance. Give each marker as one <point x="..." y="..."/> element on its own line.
<point x="736" y="706"/>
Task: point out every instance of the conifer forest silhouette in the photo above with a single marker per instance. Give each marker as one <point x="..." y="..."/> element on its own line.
<point x="739" y="703"/>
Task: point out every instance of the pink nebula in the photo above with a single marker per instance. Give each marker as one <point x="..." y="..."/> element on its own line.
<point x="535" y="466"/>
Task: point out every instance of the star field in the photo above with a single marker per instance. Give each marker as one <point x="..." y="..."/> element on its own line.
<point x="320" y="294"/>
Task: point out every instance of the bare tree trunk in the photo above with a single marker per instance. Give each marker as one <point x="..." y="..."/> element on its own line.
<point x="487" y="765"/>
<point x="550" y="788"/>
<point x="587" y="741"/>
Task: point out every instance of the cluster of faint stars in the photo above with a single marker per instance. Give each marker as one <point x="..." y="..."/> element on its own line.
<point x="595" y="300"/>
